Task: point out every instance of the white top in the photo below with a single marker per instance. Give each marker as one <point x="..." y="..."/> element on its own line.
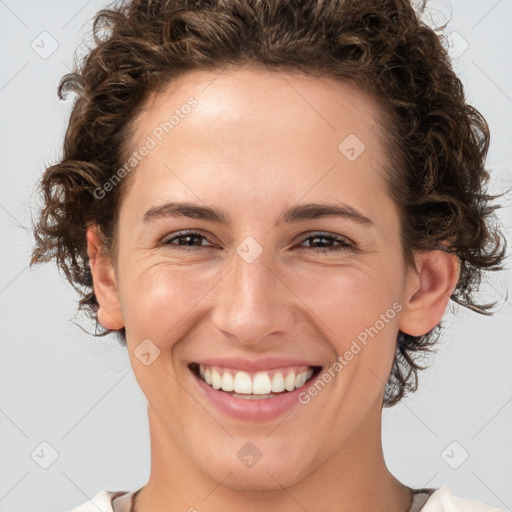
<point x="426" y="500"/>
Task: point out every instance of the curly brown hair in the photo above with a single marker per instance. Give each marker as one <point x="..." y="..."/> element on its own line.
<point x="435" y="140"/>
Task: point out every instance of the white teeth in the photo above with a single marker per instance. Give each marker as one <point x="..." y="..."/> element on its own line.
<point x="259" y="384"/>
<point x="243" y="383"/>
<point x="216" y="379"/>
<point x="228" y="382"/>
<point x="300" y="380"/>
<point x="289" y="382"/>
<point x="278" y="382"/>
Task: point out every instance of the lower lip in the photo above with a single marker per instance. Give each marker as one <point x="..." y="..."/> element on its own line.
<point x="252" y="410"/>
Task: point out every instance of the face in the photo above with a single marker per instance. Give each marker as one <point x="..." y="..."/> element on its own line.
<point x="252" y="284"/>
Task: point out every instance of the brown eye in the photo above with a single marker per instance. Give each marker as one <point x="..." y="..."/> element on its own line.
<point x="324" y="242"/>
<point x="186" y="240"/>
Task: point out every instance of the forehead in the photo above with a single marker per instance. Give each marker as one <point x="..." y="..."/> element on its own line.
<point x="256" y="129"/>
<point x="255" y="95"/>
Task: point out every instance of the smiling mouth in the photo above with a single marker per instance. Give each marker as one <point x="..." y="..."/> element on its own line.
<point x="255" y="385"/>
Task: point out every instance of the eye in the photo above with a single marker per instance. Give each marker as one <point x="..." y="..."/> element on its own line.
<point x="191" y="240"/>
<point x="186" y="240"/>
<point x="320" y="238"/>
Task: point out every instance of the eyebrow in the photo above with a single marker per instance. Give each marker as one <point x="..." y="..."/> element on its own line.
<point x="297" y="213"/>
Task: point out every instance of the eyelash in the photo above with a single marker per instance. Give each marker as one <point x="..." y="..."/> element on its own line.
<point x="344" y="243"/>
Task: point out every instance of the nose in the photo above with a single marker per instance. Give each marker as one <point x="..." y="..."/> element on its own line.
<point x="253" y="302"/>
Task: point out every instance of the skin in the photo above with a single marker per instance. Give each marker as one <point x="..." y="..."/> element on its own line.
<point x="257" y="143"/>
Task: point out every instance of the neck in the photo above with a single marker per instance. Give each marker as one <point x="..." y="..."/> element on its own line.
<point x="355" y="477"/>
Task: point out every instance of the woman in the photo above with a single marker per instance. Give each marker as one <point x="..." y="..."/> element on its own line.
<point x="271" y="204"/>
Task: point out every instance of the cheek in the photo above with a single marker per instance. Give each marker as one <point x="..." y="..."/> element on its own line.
<point x="346" y="300"/>
<point x="158" y="301"/>
<point x="357" y="312"/>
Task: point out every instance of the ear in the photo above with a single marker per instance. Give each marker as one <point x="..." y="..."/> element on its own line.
<point x="104" y="282"/>
<point x="429" y="286"/>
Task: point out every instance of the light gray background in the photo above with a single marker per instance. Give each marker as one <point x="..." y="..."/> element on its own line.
<point x="61" y="386"/>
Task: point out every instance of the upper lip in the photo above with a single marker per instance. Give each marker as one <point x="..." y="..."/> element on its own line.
<point x="254" y="365"/>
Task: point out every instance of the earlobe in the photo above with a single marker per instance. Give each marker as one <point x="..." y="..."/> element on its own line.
<point x="104" y="282"/>
<point x="429" y="289"/>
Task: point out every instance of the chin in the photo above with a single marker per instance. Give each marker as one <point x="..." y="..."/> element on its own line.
<point x="246" y="480"/>
<point x="270" y="475"/>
